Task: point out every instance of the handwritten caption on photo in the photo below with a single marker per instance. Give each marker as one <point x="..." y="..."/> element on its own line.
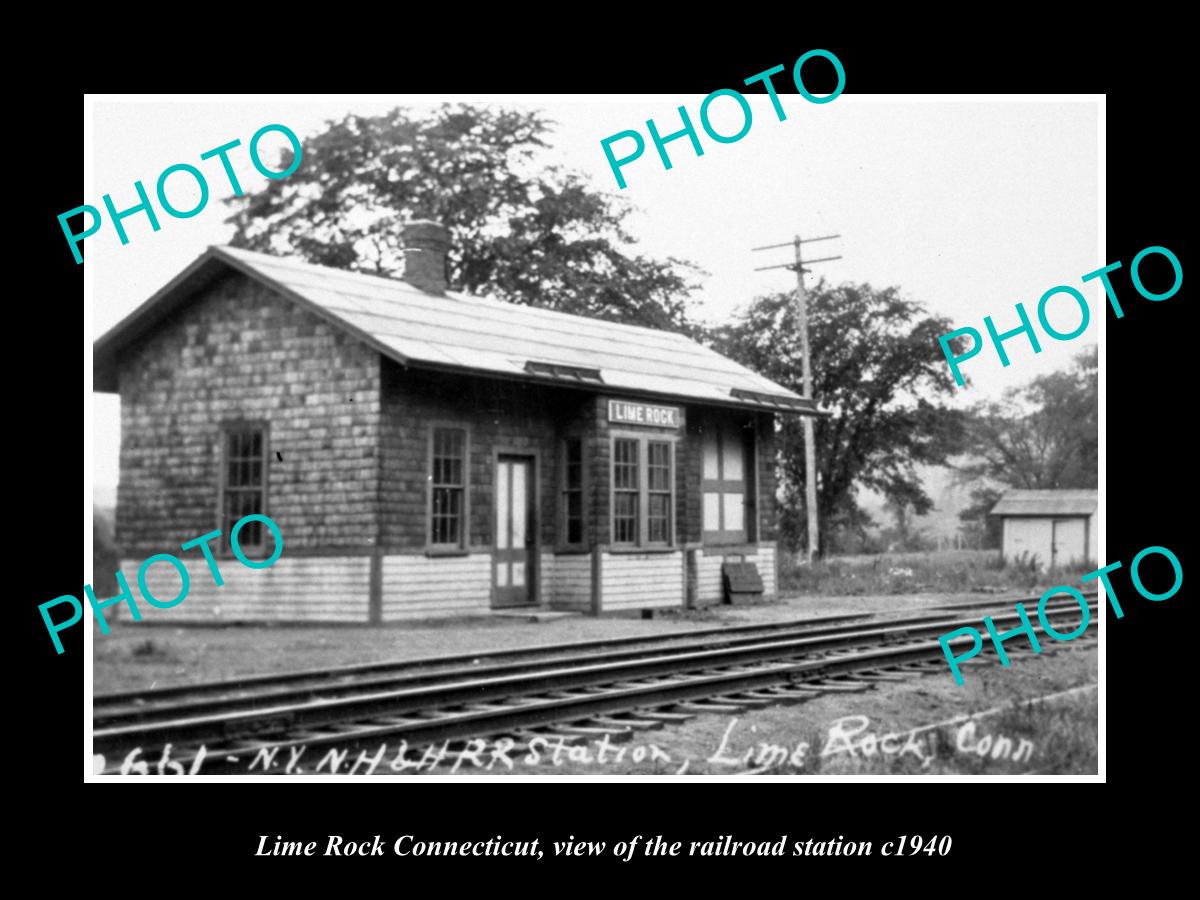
<point x="740" y="750"/>
<point x="126" y="594"/>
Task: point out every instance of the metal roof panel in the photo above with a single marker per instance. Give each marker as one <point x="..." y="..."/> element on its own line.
<point x="1047" y="503"/>
<point x="492" y="336"/>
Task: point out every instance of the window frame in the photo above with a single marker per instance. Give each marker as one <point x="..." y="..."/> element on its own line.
<point x="721" y="486"/>
<point x="564" y="542"/>
<point x="643" y="440"/>
<point x="464" y="535"/>
<point x="638" y="492"/>
<point x="224" y="522"/>
<point x="650" y="493"/>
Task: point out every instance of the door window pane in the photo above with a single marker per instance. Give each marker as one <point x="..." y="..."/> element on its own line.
<point x="503" y="500"/>
<point x="712" y="512"/>
<point x="734" y="512"/>
<point x="712" y="464"/>
<point x="518" y="505"/>
<point x="731" y="455"/>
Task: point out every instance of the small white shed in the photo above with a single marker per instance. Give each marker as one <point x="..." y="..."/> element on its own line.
<point x="1057" y="528"/>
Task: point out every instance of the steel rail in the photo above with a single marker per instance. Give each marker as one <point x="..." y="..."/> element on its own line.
<point x="737" y="686"/>
<point x="103" y="701"/>
<point x="422" y="702"/>
<point x="325" y="688"/>
<point x="355" y="669"/>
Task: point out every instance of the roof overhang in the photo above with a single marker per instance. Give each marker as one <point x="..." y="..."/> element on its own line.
<point x="215" y="263"/>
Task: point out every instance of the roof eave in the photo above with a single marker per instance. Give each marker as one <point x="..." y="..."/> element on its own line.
<point x="106" y="347"/>
<point x="616" y="390"/>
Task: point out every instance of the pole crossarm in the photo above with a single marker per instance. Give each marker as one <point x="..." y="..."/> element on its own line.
<point x="810" y="449"/>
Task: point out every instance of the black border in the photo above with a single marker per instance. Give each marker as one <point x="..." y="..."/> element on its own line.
<point x="199" y="833"/>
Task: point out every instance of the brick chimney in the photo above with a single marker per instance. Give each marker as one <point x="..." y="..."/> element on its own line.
<point x="425" y="245"/>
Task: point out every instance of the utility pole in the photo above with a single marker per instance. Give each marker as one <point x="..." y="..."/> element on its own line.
<point x="810" y="447"/>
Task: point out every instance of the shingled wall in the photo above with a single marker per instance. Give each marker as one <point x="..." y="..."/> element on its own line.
<point x="242" y="352"/>
<point x="348" y="467"/>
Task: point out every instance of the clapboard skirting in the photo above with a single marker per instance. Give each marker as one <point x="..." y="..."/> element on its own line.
<point x="641" y="581"/>
<point x="395" y="588"/>
<point x="294" y="589"/>
<point x="418" y="587"/>
<point x="570" y="585"/>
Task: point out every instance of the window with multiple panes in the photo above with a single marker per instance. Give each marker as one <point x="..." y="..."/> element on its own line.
<point x="626" y="491"/>
<point x="572" y="492"/>
<point x="658" y="492"/>
<point x="448" y="487"/>
<point x="728" y="483"/>
<point x="244" y="485"/>
<point x="643" y="492"/>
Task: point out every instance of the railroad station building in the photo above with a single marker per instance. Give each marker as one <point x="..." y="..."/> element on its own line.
<point x="429" y="453"/>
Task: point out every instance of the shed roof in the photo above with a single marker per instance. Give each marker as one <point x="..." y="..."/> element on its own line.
<point x="461" y="332"/>
<point x="1046" y="503"/>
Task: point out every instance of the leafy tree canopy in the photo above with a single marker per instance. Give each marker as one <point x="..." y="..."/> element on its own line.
<point x="878" y="369"/>
<point x="1042" y="435"/>
<point x="521" y="231"/>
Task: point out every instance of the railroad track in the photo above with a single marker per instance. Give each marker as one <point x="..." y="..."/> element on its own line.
<point x="579" y="691"/>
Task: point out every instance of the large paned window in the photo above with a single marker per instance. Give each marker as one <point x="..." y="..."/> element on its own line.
<point x="626" y="491"/>
<point x="643" y="481"/>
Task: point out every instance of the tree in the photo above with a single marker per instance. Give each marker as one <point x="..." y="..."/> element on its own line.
<point x="520" y="231"/>
<point x="878" y="369"/>
<point x="1044" y="435"/>
<point x="980" y="529"/>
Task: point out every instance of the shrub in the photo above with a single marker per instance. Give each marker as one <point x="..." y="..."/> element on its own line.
<point x="942" y="571"/>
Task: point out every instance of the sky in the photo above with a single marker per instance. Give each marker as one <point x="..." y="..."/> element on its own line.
<point x="969" y="206"/>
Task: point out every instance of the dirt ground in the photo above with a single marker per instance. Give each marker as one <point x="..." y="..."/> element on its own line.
<point x="135" y="656"/>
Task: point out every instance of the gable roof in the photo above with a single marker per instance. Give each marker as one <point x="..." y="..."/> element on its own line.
<point x="464" y="333"/>
<point x="1046" y="503"/>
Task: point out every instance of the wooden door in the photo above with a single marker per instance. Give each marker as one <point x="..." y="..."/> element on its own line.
<point x="1069" y="542"/>
<point x="516" y="532"/>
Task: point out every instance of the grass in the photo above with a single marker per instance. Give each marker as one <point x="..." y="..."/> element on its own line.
<point x="938" y="571"/>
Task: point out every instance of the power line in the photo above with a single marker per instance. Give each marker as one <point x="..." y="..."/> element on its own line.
<point x="810" y="448"/>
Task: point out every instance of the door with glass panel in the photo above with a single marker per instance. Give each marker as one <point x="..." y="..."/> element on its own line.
<point x="728" y="485"/>
<point x="516" y="534"/>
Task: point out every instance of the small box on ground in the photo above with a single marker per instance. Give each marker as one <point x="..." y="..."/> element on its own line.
<point x="743" y="583"/>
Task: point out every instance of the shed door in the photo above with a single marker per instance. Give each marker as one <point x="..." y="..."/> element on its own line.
<point x="1069" y="541"/>
<point x="516" y="534"/>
